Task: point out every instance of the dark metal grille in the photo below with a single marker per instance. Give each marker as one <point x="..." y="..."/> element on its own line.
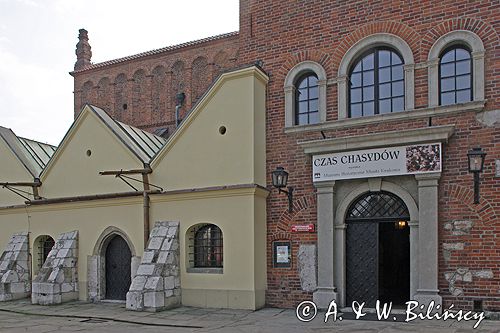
<point x="208" y="246"/>
<point x="362" y="263"/>
<point x="44" y="246"/>
<point x="307" y="100"/>
<point x="381" y="205"/>
<point x="118" y="262"/>
<point x="455" y="76"/>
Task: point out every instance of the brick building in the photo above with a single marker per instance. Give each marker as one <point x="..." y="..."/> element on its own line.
<point x="344" y="77"/>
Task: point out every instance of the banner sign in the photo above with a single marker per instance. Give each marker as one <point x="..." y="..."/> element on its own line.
<point x="303" y="227"/>
<point x="388" y="161"/>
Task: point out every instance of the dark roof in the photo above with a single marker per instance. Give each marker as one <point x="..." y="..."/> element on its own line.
<point x="157" y="51"/>
<point x="33" y="155"/>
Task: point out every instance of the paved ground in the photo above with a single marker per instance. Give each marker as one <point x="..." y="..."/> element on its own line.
<point x="21" y="316"/>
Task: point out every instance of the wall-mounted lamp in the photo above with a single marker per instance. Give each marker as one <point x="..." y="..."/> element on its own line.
<point x="476" y="163"/>
<point x="280" y="180"/>
<point x="400" y="225"/>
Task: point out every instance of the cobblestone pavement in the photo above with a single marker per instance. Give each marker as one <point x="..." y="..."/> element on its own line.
<point x="21" y="316"/>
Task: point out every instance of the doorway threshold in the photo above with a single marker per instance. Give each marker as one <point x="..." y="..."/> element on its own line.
<point x="115" y="301"/>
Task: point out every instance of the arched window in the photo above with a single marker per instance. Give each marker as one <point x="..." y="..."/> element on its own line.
<point x="305" y="94"/>
<point x="307" y="100"/>
<point x="44" y="245"/>
<point x="208" y="247"/>
<point x="448" y="58"/>
<point x="376" y="83"/>
<point x="455" y="76"/>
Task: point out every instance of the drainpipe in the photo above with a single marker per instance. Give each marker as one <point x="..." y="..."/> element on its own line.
<point x="179" y="98"/>
<point x="146" y="201"/>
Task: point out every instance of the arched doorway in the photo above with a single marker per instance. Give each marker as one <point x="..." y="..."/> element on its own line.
<point x="377" y="249"/>
<point x="117" y="268"/>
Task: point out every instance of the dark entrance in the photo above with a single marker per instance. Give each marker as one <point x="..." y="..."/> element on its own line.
<point x="118" y="258"/>
<point x="378" y="250"/>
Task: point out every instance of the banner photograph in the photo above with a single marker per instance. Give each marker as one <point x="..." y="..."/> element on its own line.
<point x="392" y="161"/>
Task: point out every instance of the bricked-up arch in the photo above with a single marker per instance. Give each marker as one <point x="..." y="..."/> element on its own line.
<point x="104" y="95"/>
<point x="138" y="110"/>
<point x="120" y="97"/>
<point x="484" y="209"/>
<point x="159" y="95"/>
<point x="87" y="94"/>
<point x="178" y="85"/>
<point x="199" y="78"/>
<point x="300" y="204"/>
<point x="221" y="63"/>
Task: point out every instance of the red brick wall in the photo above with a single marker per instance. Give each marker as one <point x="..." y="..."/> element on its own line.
<point x="148" y="85"/>
<point x="284" y="33"/>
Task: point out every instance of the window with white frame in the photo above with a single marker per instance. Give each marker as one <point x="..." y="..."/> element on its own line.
<point x="376" y="83"/>
<point x="456" y="69"/>
<point x="376" y="76"/>
<point x="455" y="76"/>
<point x="305" y="94"/>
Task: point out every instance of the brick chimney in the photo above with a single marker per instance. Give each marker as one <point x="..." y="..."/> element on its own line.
<point x="83" y="52"/>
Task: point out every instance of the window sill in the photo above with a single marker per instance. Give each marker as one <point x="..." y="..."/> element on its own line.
<point x="474" y="106"/>
<point x="205" y="270"/>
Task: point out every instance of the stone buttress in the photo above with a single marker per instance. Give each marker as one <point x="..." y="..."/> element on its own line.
<point x="57" y="280"/>
<point x="156" y="285"/>
<point x="15" y="268"/>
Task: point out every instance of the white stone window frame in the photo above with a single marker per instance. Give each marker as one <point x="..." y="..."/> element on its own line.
<point x="190" y="244"/>
<point x="289" y="87"/>
<point x="457" y="37"/>
<point x="369" y="42"/>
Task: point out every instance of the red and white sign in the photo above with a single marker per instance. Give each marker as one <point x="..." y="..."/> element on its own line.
<point x="303" y="227"/>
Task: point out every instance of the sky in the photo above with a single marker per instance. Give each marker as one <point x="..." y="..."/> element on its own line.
<point x="38" y="40"/>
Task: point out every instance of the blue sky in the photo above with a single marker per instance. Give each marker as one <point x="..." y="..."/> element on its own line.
<point x="37" y="49"/>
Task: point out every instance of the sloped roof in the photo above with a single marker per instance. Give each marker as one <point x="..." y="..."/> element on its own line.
<point x="32" y="154"/>
<point x="156" y="51"/>
<point x="143" y="144"/>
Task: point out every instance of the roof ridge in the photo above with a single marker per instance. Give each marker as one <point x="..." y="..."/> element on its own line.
<point x="156" y="51"/>
<point x="40" y="142"/>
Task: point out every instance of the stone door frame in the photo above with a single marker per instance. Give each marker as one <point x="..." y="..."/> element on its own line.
<point x="96" y="263"/>
<point x="423" y="237"/>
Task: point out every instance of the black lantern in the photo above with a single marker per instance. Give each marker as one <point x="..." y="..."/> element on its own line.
<point x="280" y="180"/>
<point x="476" y="163"/>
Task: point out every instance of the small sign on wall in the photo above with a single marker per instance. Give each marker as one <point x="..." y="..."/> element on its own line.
<point x="303" y="227"/>
<point x="497" y="168"/>
<point x="282" y="254"/>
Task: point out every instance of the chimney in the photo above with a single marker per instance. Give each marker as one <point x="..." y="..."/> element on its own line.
<point x="83" y="52"/>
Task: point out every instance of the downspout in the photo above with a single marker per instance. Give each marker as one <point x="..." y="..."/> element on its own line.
<point x="146" y="203"/>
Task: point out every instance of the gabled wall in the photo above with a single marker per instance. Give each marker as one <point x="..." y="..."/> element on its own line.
<point x="12" y="170"/>
<point x="71" y="172"/>
<point x="198" y="155"/>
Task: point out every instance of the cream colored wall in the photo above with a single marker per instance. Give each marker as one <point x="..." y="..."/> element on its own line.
<point x="232" y="212"/>
<point x="240" y="213"/>
<point x="235" y="212"/>
<point x="197" y="155"/>
<point x="89" y="218"/>
<point x="73" y="173"/>
<point x="259" y="132"/>
<point x="12" y="170"/>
